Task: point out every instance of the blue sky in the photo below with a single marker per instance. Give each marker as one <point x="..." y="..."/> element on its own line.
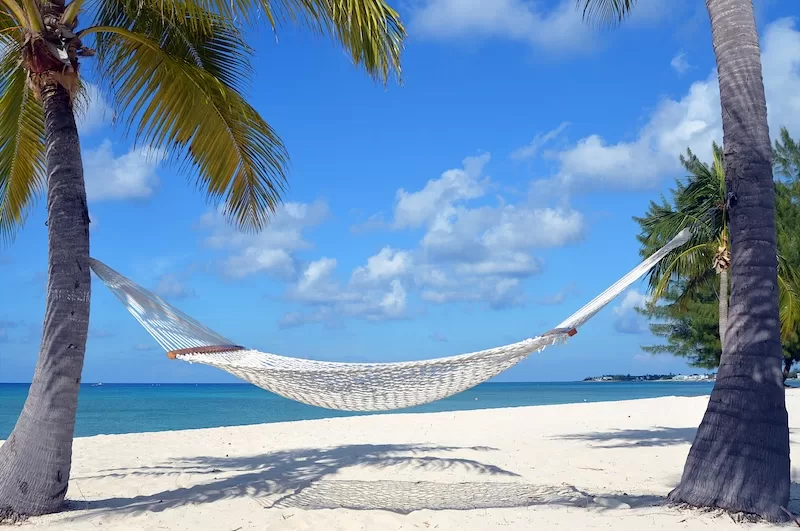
<point x="478" y="204"/>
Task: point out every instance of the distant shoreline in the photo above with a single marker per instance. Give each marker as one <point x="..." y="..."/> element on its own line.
<point x="681" y="378"/>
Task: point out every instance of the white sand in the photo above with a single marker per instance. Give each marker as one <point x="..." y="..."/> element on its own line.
<point x="577" y="467"/>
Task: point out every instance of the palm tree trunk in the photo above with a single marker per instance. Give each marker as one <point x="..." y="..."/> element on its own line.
<point x="723" y="304"/>
<point x="35" y="460"/>
<point x="740" y="457"/>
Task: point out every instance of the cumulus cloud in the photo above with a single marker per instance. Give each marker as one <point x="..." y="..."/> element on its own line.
<point x="271" y="251"/>
<point x="693" y="121"/>
<point x="489" y="244"/>
<point x="472" y="248"/>
<point x="387" y="264"/>
<point x="474" y="251"/>
<point x="331" y="301"/>
<point x="556" y="28"/>
<point x="560" y="28"/>
<point x="129" y="176"/>
<point x="373" y="292"/>
<point x="436" y="199"/>
<point x="470" y="251"/>
<point x="626" y="319"/>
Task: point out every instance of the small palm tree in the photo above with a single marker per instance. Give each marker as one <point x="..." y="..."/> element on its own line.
<point x="699" y="204"/>
<point x="174" y="71"/>
<point x="739" y="459"/>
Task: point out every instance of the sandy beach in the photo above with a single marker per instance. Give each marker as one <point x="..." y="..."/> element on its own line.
<point x="581" y="466"/>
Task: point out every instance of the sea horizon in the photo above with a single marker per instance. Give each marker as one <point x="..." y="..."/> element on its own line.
<point x="116" y="408"/>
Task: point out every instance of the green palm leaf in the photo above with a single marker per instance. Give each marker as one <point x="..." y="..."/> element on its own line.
<point x="179" y="107"/>
<point x="21" y="142"/>
<point x="789" y="298"/>
<point x="370" y="30"/>
<point x="186" y="31"/>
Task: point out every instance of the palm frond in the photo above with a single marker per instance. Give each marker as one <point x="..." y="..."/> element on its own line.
<point x="185" y="30"/>
<point x="21" y="143"/>
<point x="606" y="12"/>
<point x="688" y="263"/>
<point x="786" y="155"/>
<point x="12" y="11"/>
<point x="707" y="279"/>
<point x="370" y="30"/>
<point x="789" y="298"/>
<point x="177" y="106"/>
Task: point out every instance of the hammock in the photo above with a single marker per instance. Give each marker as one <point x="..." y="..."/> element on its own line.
<point x="347" y="386"/>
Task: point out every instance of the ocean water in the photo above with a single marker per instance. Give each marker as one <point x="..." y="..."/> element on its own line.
<point x="130" y="408"/>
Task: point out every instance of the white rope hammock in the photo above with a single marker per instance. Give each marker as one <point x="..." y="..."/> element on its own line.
<point x="347" y="386"/>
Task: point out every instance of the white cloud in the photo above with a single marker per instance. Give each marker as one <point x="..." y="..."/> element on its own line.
<point x="532" y="149"/>
<point x="93" y="110"/>
<point x="679" y="63"/>
<point x="331" y="301"/>
<point x="471" y="249"/>
<point x="478" y="252"/>
<point x="626" y="320"/>
<point x="271" y="251"/>
<point x="387" y="264"/>
<point x="693" y="121"/>
<point x="555" y="27"/>
<point x="435" y="200"/>
<point x="520" y="20"/>
<point x="498" y="292"/>
<point x="374" y="291"/>
<point x="780" y="62"/>
<point x="129" y="176"/>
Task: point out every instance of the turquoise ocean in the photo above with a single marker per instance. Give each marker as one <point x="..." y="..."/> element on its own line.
<point x="132" y="408"/>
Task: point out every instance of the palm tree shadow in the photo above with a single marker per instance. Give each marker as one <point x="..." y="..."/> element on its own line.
<point x="300" y="479"/>
<point x="630" y="438"/>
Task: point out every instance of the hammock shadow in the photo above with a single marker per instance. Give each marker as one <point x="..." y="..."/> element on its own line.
<point x="301" y="479"/>
<point x="655" y="437"/>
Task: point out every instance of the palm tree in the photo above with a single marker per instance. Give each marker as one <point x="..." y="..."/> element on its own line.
<point x="174" y="71"/>
<point x="739" y="459"/>
<point x="699" y="204"/>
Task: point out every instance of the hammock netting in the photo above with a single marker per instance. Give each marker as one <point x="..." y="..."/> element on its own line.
<point x="347" y="386"/>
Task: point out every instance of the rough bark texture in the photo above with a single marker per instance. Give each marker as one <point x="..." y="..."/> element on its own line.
<point x="35" y="460"/>
<point x="723" y="304"/>
<point x="740" y="457"/>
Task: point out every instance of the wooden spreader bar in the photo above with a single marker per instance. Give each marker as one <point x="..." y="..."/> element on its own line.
<point x="211" y="349"/>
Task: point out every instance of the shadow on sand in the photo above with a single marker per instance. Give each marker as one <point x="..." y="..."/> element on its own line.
<point x="299" y="479"/>
<point x="631" y="438"/>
